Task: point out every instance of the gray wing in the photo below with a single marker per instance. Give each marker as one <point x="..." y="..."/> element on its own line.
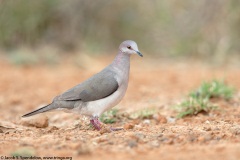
<point x="97" y="87"/>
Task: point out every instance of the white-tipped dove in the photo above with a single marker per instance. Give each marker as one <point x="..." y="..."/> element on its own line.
<point x="100" y="92"/>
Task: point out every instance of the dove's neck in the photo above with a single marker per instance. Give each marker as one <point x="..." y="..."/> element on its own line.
<point x="122" y="61"/>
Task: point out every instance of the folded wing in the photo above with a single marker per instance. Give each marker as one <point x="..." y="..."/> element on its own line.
<point x="97" y="87"/>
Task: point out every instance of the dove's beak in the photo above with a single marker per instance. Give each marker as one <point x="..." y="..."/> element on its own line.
<point x="139" y="53"/>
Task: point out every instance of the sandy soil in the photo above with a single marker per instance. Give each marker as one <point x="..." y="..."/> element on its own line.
<point x="152" y="85"/>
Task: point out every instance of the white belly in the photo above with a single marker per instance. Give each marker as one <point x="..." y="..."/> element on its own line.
<point x="96" y="108"/>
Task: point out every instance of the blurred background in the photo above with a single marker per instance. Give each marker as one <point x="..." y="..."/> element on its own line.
<point x="203" y="29"/>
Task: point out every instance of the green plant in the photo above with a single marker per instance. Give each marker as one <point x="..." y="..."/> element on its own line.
<point x="198" y="101"/>
<point x="23" y="152"/>
<point x="193" y="106"/>
<point x="109" y="116"/>
<point x="213" y="89"/>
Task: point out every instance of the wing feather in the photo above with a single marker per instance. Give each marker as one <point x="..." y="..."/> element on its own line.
<point x="97" y="87"/>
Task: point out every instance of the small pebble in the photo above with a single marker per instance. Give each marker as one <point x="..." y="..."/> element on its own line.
<point x="132" y="143"/>
<point x="207" y="122"/>
<point x="39" y="121"/>
<point x="207" y="128"/>
<point x="160" y="118"/>
<point x="207" y="137"/>
<point x="146" y="121"/>
<point x="171" y="120"/>
<point x="128" y="126"/>
<point x="84" y="149"/>
<point x="154" y="143"/>
<point x="102" y="139"/>
<point x="235" y="130"/>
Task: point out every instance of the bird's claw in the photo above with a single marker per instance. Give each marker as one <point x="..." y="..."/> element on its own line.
<point x="96" y="123"/>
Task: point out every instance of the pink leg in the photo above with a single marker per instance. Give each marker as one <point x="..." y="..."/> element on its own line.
<point x="96" y="123"/>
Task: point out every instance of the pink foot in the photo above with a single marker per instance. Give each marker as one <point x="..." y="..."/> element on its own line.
<point x="96" y="123"/>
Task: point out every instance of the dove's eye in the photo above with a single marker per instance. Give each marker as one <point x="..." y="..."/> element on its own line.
<point x="129" y="47"/>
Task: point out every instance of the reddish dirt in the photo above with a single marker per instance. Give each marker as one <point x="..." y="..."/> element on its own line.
<point x="152" y="85"/>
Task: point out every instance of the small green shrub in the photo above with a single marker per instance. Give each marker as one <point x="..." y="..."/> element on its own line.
<point x="198" y="101"/>
<point x="109" y="116"/>
<point x="193" y="106"/>
<point x="214" y="89"/>
<point x="23" y="152"/>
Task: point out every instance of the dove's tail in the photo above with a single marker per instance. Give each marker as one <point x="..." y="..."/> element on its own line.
<point x="41" y="110"/>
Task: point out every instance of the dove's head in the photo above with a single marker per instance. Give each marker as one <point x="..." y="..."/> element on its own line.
<point x="129" y="47"/>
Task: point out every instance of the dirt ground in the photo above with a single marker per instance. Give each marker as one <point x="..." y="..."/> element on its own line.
<point x="153" y="84"/>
